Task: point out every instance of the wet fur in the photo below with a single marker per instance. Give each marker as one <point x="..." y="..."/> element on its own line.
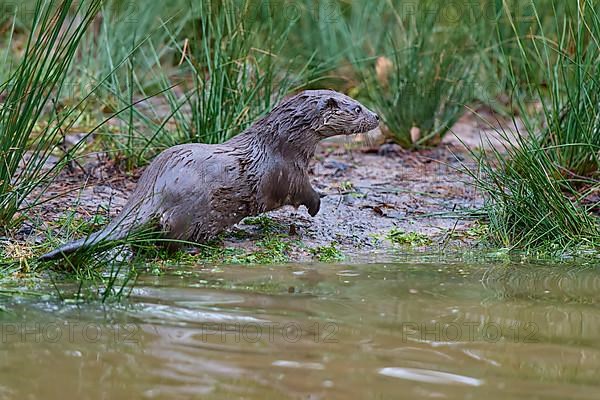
<point x="193" y="192"/>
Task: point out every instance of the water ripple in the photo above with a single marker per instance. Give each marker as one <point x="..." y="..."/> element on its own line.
<point x="428" y="376"/>
<point x="296" y="364"/>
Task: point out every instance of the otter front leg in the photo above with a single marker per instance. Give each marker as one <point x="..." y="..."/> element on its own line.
<point x="309" y="198"/>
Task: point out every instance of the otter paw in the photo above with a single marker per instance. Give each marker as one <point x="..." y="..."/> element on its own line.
<point x="314" y="206"/>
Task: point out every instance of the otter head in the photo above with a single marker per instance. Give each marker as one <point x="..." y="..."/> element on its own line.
<point x="342" y="115"/>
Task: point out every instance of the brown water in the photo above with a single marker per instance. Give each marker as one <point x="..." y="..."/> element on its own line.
<point x="415" y="331"/>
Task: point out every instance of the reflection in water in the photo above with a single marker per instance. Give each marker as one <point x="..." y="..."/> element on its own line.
<point x="375" y="331"/>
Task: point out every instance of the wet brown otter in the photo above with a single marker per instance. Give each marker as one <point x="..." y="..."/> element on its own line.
<point x="195" y="191"/>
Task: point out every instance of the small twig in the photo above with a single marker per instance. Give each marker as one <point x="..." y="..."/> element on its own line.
<point x="449" y="234"/>
<point x="184" y="51"/>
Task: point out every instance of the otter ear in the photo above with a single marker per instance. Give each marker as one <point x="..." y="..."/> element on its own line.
<point x="328" y="103"/>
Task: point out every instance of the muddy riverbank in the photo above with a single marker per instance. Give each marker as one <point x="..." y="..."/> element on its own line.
<point x="373" y="203"/>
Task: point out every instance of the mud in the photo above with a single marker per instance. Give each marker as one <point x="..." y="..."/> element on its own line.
<point x="366" y="196"/>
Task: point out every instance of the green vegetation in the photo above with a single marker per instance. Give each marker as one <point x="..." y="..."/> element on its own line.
<point x="210" y="68"/>
<point x="265" y="224"/>
<point x="270" y="249"/>
<point x="415" y="64"/>
<point x="412" y="239"/>
<point x="510" y="47"/>
<point x="327" y="254"/>
<point x="542" y="190"/>
<point x="28" y="133"/>
<point x="424" y="75"/>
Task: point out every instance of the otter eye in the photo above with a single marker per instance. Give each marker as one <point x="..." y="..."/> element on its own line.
<point x="357" y="110"/>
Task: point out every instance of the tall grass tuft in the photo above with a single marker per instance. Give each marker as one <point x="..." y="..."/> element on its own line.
<point x="530" y="204"/>
<point x="330" y="33"/>
<point x="510" y="45"/>
<point x="219" y="69"/>
<point x="236" y="74"/>
<point x="543" y="192"/>
<point x="422" y="76"/>
<point x="27" y="141"/>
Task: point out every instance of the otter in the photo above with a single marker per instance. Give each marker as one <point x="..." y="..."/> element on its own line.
<point x="193" y="192"/>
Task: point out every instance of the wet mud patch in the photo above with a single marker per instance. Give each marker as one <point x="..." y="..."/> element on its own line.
<point x="367" y="200"/>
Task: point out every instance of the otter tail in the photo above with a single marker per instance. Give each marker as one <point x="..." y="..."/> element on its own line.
<point x="116" y="230"/>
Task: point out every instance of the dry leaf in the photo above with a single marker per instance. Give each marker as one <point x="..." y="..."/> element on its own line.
<point x="415" y="134"/>
<point x="383" y="68"/>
